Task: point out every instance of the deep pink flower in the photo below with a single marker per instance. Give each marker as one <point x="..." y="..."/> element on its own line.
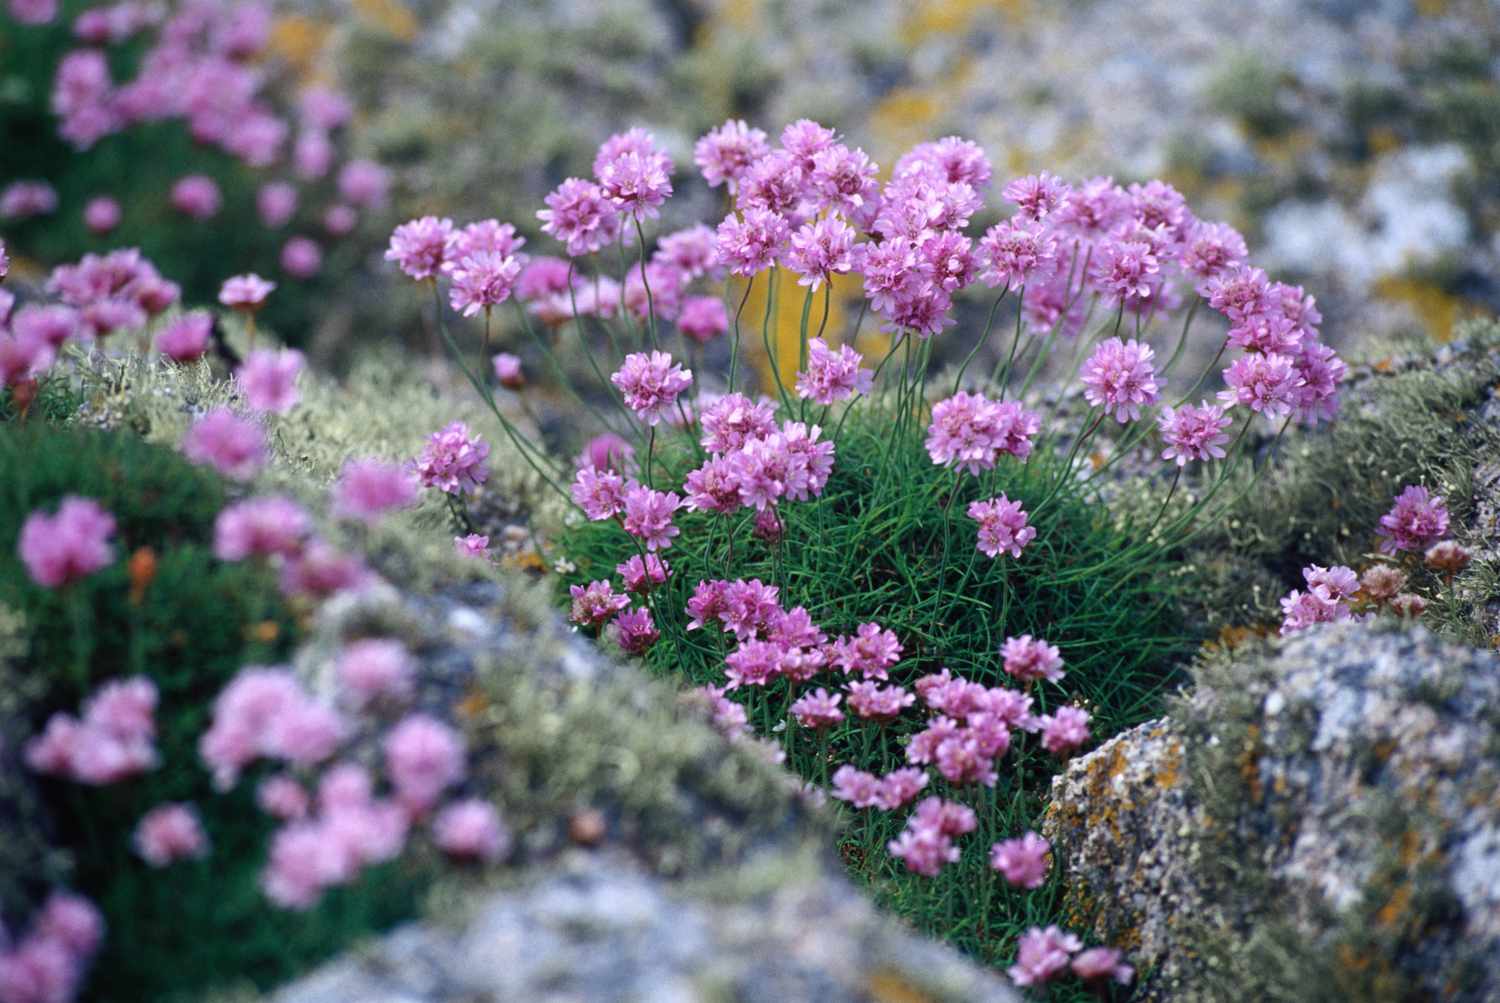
<point x="1212" y="248"/>
<point x="274" y="526"/>
<point x="643" y="576"/>
<point x="1320" y="370"/>
<point x="234" y="446"/>
<point x="69" y="545"/>
<point x="820" y="250"/>
<point x="1003" y="526"/>
<point x="197" y="195"/>
<point x="733" y="420"/>
<point x="268" y="379"/>
<point x="1120" y="378"/>
<point x="648" y="516"/>
<point x="650" y="384"/>
<point x="1024" y="860"/>
<point x="596" y="603"/>
<point x="1064" y="730"/>
<point x="1037" y="195"/>
<point x="818" y="709"/>
<point x="882" y="703"/>
<point x="481" y="281"/>
<point x="320" y="570"/>
<point x="1266" y="384"/>
<point x="900" y="786"/>
<point x="579" y="215"/>
<point x="1013" y="251"/>
<point x="541" y="276"/>
<point x="186" y="338"/>
<point x="844" y="181"/>
<point x="1042" y="955"/>
<point x="169" y="833"/>
<point x="471" y="830"/>
<point x="508" y="370"/>
<point x="245" y="292"/>
<point x="702" y="318"/>
<point x="301" y="258"/>
<point x="1417" y="519"/>
<point x="453" y="460"/>
<point x="1193" y="433"/>
<point x="860" y="789"/>
<point x="751" y="241"/>
<point x="833" y="376"/>
<point x="368" y="489"/>
<point x="423" y="758"/>
<point x="952" y="159"/>
<point x="101" y="214"/>
<point x="601" y="494"/>
<point x="420" y="247"/>
<point x="725" y="153"/>
<point x="634" y="631"/>
<point x="871" y="651"/>
<point x="23" y="357"/>
<point x="970" y="431"/>
<point x="1099" y="963"/>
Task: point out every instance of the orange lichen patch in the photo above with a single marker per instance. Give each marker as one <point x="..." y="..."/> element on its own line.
<point x="1395" y="907"/>
<point x="472" y="706"/>
<point x="299" y="41"/>
<point x="1250" y="762"/>
<point x="1411" y="848"/>
<point x="525" y="560"/>
<point x="1437" y="310"/>
<point x="1231" y="638"/>
<point x="1351" y="961"/>
<point x="1169" y="773"/>
<point x="888" y="986"/>
<point x="265" y="632"/>
<point x="142" y="569"/>
<point x="1383" y="139"/>
<point x="390" y="16"/>
<point x="937" y="18"/>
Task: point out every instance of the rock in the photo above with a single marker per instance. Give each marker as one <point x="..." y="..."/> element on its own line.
<point x="1319" y="819"/>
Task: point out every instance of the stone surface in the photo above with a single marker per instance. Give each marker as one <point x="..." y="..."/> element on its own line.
<point x="1322" y="813"/>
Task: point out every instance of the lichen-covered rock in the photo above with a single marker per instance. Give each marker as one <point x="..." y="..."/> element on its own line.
<point x="1319" y="819"/>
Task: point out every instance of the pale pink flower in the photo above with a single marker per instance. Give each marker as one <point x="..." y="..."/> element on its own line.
<point x="643" y="575"/>
<point x="363" y="183"/>
<point x="650" y="384"/>
<point x="301" y="258"/>
<point x="1037" y="195"/>
<point x="369" y="489"/>
<point x="1099" y="963"/>
<point x="818" y="709"/>
<point x="1119" y="378"/>
<point x="1042" y="955"/>
<point x="423" y="758"/>
<point x="900" y="786"/>
<point x="473" y="545"/>
<point x="1024" y="861"/>
<point x="600" y="493"/>
<point x="276" y="201"/>
<point x="648" y="516"/>
<point x="375" y="669"/>
<point x="282" y="797"/>
<point x="245" y="292"/>
<point x="596" y="603"/>
<point x="233" y="446"/>
<point x="508" y="370"/>
<point x="833" y="376"/>
<point x="751" y="241"/>
<point x="72" y="921"/>
<point x="860" y="789"/>
<point x="453" y="460"/>
<point x="471" y="830"/>
<point x="186" y="338"/>
<point x="197" y="196"/>
<point x="268" y="379"/>
<point x="420" y="247"/>
<point x="871" y="651"/>
<point x="579" y="215"/>
<point x="881" y="703"/>
<point x="1027" y="658"/>
<point x="320" y="570"/>
<point x="703" y="318"/>
<point x="101" y="214"/>
<point x="1193" y="433"/>
<point x="1064" y="730"/>
<point x="636" y="183"/>
<point x="725" y="153"/>
<point x="67" y="546"/>
<point x="274" y="526"/>
<point x="820" y="250"/>
<point x="733" y="420"/>
<point x="481" y="281"/>
<point x="170" y="833"/>
<point x="1003" y="526"/>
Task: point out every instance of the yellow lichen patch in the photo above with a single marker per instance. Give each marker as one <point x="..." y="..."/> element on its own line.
<point x="472" y="706"/>
<point x="1169" y="773"/>
<point x="264" y="632"/>
<point x="1395" y="907"/>
<point x="299" y="40"/>
<point x="938" y="18"/>
<point x="904" y="117"/>
<point x="1250" y="762"/>
<point x="785" y="323"/>
<point x="390" y="16"/>
<point x="1434" y="308"/>
<point x="888" y="986"/>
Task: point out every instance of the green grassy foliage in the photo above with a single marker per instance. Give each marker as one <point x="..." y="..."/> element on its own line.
<point x="196" y="623"/>
<point x="889" y="541"/>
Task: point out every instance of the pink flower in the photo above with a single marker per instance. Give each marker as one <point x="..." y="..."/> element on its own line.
<point x="320" y="570"/>
<point x="1027" y="658"/>
<point x="804" y="139"/>
<point x="453" y="460"/>
<point x="713" y="487"/>
<point x="650" y="384"/>
<point x="1013" y="251"/>
<point x="952" y="159"/>
<point x="970" y="431"/>
<point x="72" y="921"/>
<point x="363" y="183"/>
<point x="245" y="292"/>
<point x="579" y="215"/>
<point x="733" y="420"/>
<point x="541" y="276"/>
<point x="595" y="603"/>
<point x="1042" y="955"/>
<point x="1036" y="194"/>
<point x="276" y="202"/>
<point x="703" y="318"/>
<point x="269" y="379"/>
<point x="1098" y="963"/>
<point x="1380" y="582"/>
<point x="508" y="370"/>
<point x="636" y="183"/>
<point x="274" y="526"/>
<point x="1065" y="730"/>
<point x="870" y="652"/>
<point x="751" y="242"/>
<point x="833" y="376"/>
<point x="282" y="797"/>
<point x="68" y="546"/>
<point x="601" y="494"/>
<point x="1125" y="271"/>
<point x="340" y="220"/>
<point x="1119" y="378"/>
<point x="101" y="214"/>
<point x="844" y="181"/>
<point x="648" y="516"/>
<point x="473" y="545"/>
<point x="301" y="258"/>
<point x="1301" y="610"/>
<point x="186" y="338"/>
<point x="1193" y="433"/>
<point x="265" y="712"/>
<point x="1212" y="248"/>
<point x="898" y="787"/>
<point x="924" y="851"/>
<point x="1002" y="526"/>
<point x="368" y="489"/>
<point x="471" y="830"/>
<point x="23" y="357"/>
<point x="169" y="833"/>
<point x="818" y="709"/>
<point x="1238" y="291"/>
<point x="881" y="703"/>
<point x="481" y="281"/>
<point x="50" y="325"/>
<point x="323" y="107"/>
<point x="1024" y="861"/>
<point x="860" y="789"/>
<point x="635" y="631"/>
<point x="820" y="250"/>
<point x="725" y="153"/>
<point x="420" y="247"/>
<point x="375" y="669"/>
<point x="197" y="196"/>
<point x="1266" y="384"/>
<point x="643" y="576"/>
<point x="33" y="12"/>
<point x="423" y="758"/>
<point x="1417" y="519"/>
<point x="233" y="446"/>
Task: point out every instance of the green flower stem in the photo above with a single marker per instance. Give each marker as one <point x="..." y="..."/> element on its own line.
<point x="988" y="326"/>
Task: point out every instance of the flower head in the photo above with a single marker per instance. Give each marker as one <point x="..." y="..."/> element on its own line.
<point x="168" y="833"/>
<point x="579" y="215"/>
<point x="870" y="651"/>
<point x="725" y="153"/>
<point x="1064" y="730"/>
<point x="1417" y="519"/>
<point x="970" y="431"/>
<point x="642" y="575"/>
<point x="1003" y="526"/>
<point x="1013" y="251"/>
<point x="635" y="631"/>
<point x="273" y="526"/>
<point x="375" y="668"/>
<point x="1099" y="963"/>
<point x="637" y="183"/>
<point x="423" y="758"/>
<point x="453" y="460"/>
<point x="648" y="516"/>
<point x="1024" y="860"/>
<point x="818" y="709"/>
<point x="821" y="249"/>
<point x="833" y="376"/>
<point x="600" y="493"/>
<point x="420" y="247"/>
<point x="1193" y="433"/>
<point x="1119" y="378"/>
<point x="482" y="280"/>
<point x="268" y="379"/>
<point x="69" y="545"/>
<point x="186" y="338"/>
<point x="751" y="241"/>
<point x="1042" y="955"/>
<point x="703" y="318"/>
<point x="197" y="196"/>
<point x="1266" y="384"/>
<point x="595" y="603"/>
<point x="733" y="420"/>
<point x="245" y="292"/>
<point x="650" y="384"/>
<point x="471" y="830"/>
<point x="367" y="489"/>
<point x="233" y="446"/>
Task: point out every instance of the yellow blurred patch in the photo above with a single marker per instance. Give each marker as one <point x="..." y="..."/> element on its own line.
<point x="937" y="18"/>
<point x="390" y="16"/>
<point x="299" y="40"/>
<point x="785" y="323"/>
<point x="1437" y="310"/>
<point x="904" y="118"/>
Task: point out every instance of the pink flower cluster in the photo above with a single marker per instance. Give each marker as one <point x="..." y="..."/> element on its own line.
<point x="1043" y="954"/>
<point x="887" y="793"/>
<point x="234" y="446"/>
<point x="118" y="291"/>
<point x="1416" y="520"/>
<point x="454" y="461"/>
<point x="1003" y="526"/>
<point x="970" y="431"/>
<point x="266" y="713"/>
<point x="926" y="844"/>
<point x="48" y="964"/>
<point x="1325" y="601"/>
<point x="1024" y="861"/>
<point x="1119" y="378"/>
<point x="169" y="833"/>
<point x="369" y="489"/>
<point x="650" y="384"/>
<point x="68" y="546"/>
<point x="115" y="739"/>
<point x="833" y="376"/>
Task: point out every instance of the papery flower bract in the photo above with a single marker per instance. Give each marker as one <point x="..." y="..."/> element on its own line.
<point x="1064" y="730"/>
<point x="1042" y="955"/>
<point x="833" y="376"/>
<point x="1447" y="557"/>
<point x="1381" y="582"/>
<point x="186" y="338"/>
<point x="169" y="833"/>
<point x="595" y="603"/>
<point x="1003" y="526"/>
<point x="453" y="460"/>
<point x="600" y="493"/>
<point x="1417" y="519"/>
<point x="69" y="545"/>
<point x="1193" y="433"/>
<point x="635" y="631"/>
<point x="423" y="758"/>
<point x="471" y="830"/>
<point x="420" y="247"/>
<point x="245" y="292"/>
<point x="233" y="446"/>
<point x="1120" y="378"/>
<point x="268" y="379"/>
<point x="1408" y="605"/>
<point x="273" y="526"/>
<point x="650" y="384"/>
<point x="648" y="516"/>
<point x="1024" y="860"/>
